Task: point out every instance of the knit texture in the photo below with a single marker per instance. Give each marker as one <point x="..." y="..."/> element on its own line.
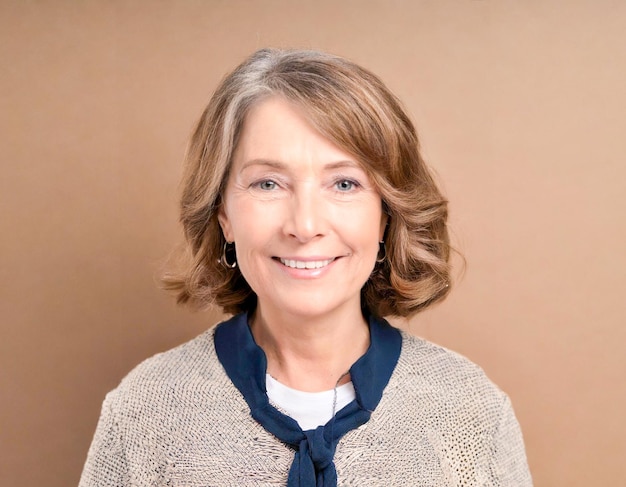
<point x="177" y="420"/>
<point x="246" y="366"/>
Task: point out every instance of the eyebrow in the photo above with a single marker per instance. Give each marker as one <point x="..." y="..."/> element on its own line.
<point x="262" y="162"/>
<point x="280" y="165"/>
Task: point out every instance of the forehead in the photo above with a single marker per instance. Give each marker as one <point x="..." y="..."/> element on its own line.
<point x="277" y="129"/>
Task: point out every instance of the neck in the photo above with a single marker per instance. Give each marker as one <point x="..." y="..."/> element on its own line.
<point x="310" y="353"/>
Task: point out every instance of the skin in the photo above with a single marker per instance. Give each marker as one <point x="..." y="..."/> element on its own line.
<point x="306" y="222"/>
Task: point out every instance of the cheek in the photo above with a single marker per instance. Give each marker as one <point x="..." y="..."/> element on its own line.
<point x="364" y="230"/>
<point x="251" y="259"/>
<point x="243" y="218"/>
<point x="253" y="233"/>
<point x="371" y="220"/>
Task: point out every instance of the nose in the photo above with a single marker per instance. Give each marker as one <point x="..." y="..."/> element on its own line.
<point x="307" y="217"/>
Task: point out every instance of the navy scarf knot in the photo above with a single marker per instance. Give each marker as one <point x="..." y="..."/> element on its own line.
<point x="314" y="459"/>
<point x="321" y="451"/>
<point x="246" y="364"/>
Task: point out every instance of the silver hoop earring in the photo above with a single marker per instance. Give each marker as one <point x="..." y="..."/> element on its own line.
<point x="382" y="252"/>
<point x="229" y="250"/>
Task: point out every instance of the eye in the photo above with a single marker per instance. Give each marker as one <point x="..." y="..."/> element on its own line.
<point x="345" y="185"/>
<point x="266" y="185"/>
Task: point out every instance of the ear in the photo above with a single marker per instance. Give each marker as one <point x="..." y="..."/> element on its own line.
<point x="224" y="221"/>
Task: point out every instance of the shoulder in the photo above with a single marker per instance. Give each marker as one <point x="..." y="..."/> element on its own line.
<point x="442" y="373"/>
<point x="155" y="408"/>
<point x="436" y="362"/>
<point x="195" y="356"/>
<point x="441" y="391"/>
<point x="444" y="414"/>
<point x="170" y="375"/>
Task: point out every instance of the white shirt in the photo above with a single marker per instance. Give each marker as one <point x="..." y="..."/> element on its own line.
<point x="309" y="409"/>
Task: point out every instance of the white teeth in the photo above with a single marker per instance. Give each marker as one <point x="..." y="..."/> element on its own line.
<point x="309" y="264"/>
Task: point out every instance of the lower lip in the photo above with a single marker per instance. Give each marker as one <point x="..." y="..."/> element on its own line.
<point x="306" y="273"/>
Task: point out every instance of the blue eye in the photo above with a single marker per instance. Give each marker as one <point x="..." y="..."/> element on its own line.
<point x="345" y="185"/>
<point x="267" y="185"/>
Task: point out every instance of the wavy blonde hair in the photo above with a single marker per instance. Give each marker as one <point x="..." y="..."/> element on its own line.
<point x="351" y="107"/>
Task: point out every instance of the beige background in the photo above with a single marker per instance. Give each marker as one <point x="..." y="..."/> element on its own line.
<point x="520" y="106"/>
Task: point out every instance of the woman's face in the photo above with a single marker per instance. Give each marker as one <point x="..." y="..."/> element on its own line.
<point x="304" y="216"/>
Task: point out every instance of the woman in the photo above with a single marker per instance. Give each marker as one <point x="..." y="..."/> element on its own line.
<point x="310" y="215"/>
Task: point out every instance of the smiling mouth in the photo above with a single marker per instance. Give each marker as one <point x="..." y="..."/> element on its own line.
<point x="309" y="264"/>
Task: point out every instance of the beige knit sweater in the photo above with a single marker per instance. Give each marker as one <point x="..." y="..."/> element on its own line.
<point x="177" y="420"/>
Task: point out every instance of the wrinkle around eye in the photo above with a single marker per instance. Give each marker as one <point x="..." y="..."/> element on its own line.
<point x="256" y="191"/>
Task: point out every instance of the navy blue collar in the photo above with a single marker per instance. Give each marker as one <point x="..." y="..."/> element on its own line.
<point x="246" y="366"/>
